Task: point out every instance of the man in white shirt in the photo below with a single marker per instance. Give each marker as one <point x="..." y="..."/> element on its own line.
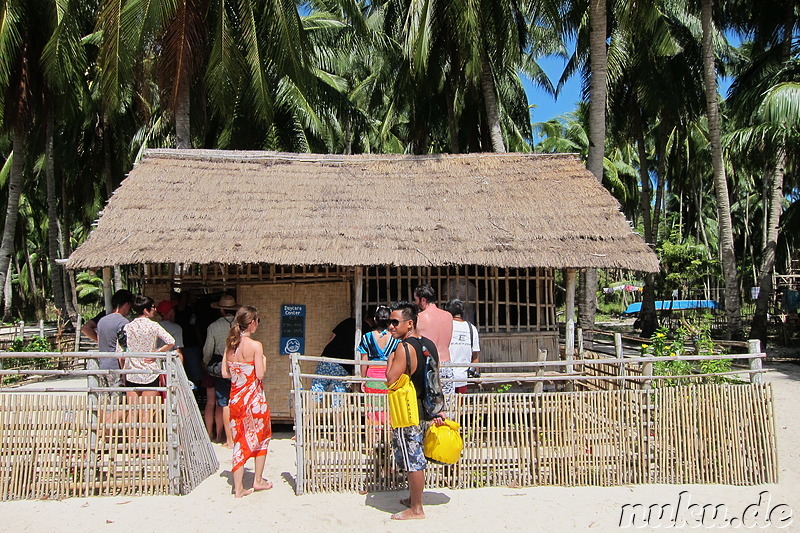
<point x="464" y="345"/>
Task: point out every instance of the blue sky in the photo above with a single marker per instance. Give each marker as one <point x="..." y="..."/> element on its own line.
<point x="548" y="107"/>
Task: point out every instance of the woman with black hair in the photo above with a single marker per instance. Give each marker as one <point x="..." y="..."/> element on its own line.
<point x="377" y="345"/>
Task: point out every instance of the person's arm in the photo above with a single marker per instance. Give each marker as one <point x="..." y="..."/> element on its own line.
<point x="260" y="361"/>
<point x="225" y="372"/>
<point x="166" y="338"/>
<point x="90" y="329"/>
<point x="208" y="348"/>
<point x="397" y="362"/>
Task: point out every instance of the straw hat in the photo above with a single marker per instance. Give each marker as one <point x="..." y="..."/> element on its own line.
<point x="226" y="302"/>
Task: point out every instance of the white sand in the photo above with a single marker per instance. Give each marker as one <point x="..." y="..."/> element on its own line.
<point x="211" y="507"/>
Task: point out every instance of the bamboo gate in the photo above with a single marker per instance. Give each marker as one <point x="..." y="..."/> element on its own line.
<point x="630" y="430"/>
<point x="76" y="438"/>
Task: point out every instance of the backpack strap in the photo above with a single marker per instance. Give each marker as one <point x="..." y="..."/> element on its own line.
<point x="471" y="338"/>
<point x="408" y="359"/>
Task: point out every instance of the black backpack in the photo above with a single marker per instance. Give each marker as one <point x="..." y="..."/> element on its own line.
<point x="433" y="399"/>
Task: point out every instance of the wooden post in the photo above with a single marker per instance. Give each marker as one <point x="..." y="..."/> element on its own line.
<point x="21" y="330"/>
<point x="171" y="408"/>
<point x="619" y="355"/>
<point x="647" y="370"/>
<point x="107" y="289"/>
<point x="569" y="336"/>
<point x="78" y="325"/>
<point x="94" y="419"/>
<point x="358" y="314"/>
<point x="755" y="362"/>
<point x="299" y="444"/>
<point x="41" y="328"/>
<point x="539" y="385"/>
<point x="579" y="334"/>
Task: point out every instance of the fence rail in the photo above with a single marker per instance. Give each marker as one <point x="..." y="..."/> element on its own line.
<point x="61" y="440"/>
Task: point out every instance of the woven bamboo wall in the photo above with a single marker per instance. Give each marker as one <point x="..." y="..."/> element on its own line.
<point x="327" y="304"/>
<point x="706" y="434"/>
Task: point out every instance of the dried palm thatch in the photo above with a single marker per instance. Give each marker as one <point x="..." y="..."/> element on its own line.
<point x="503" y="210"/>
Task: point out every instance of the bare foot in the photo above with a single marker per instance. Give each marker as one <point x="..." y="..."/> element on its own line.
<point x="408" y="514"/>
<point x="406" y="502"/>
<point x="244" y="493"/>
<point x="262" y="485"/>
<point x="228" y="445"/>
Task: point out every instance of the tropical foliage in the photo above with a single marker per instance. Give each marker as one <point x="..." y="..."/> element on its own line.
<point x="710" y="180"/>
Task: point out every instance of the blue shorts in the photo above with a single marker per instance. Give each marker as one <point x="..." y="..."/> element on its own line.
<point x="222" y="390"/>
<point x="325" y="368"/>
<point x="407" y="447"/>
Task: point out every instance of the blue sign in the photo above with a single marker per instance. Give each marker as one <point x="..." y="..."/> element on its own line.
<point x="293" y="329"/>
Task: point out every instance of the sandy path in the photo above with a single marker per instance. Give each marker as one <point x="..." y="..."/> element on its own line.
<point x="211" y="507"/>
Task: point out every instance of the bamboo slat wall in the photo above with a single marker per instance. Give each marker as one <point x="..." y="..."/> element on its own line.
<point x="57" y="445"/>
<point x="706" y="434"/>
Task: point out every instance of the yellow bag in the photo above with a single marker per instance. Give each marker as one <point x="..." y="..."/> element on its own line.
<point x="403" y="407"/>
<point x="443" y="444"/>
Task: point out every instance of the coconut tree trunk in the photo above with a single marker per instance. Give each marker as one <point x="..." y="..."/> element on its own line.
<point x="65" y="249"/>
<point x="647" y="316"/>
<point x="7" y="295"/>
<point x="452" y="122"/>
<point x="490" y="102"/>
<point x="728" y="256"/>
<point x="12" y="208"/>
<point x="598" y="61"/>
<point x="182" y="127"/>
<point x="758" y="329"/>
<point x="56" y="270"/>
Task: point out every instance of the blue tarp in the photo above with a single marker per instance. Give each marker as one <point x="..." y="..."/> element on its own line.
<point x="676" y="305"/>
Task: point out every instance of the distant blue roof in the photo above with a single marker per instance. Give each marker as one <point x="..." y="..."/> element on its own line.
<point x="676" y="305"/>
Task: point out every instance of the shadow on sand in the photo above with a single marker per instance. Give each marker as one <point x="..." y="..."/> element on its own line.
<point x="389" y="502"/>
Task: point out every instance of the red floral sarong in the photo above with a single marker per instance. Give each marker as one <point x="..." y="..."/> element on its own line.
<point x="250" y="420"/>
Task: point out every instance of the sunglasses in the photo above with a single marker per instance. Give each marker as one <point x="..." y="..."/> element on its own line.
<point x="393" y="322"/>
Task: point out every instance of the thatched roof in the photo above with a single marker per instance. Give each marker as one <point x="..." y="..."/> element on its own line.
<point x="505" y="210"/>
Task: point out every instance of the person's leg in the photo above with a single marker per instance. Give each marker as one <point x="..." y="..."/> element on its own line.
<point x="219" y="424"/>
<point x="147" y="405"/>
<point x="259" y="483"/>
<point x="208" y="412"/>
<point x="416" y="486"/>
<point x="238" y="488"/>
<point x="226" y="422"/>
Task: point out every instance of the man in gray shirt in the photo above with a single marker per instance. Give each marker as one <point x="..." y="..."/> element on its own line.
<point x="107" y="329"/>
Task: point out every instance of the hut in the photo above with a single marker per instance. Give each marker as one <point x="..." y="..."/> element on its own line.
<point x="312" y="239"/>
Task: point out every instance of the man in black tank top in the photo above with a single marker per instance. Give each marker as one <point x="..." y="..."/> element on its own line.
<point x="407" y="442"/>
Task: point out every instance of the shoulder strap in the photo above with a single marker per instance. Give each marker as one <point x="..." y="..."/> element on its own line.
<point x="408" y="359"/>
<point x="471" y="338"/>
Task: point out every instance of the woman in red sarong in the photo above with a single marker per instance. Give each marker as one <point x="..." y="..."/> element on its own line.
<point x="244" y="363"/>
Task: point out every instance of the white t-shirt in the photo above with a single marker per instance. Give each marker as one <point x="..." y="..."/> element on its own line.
<point x="461" y="350"/>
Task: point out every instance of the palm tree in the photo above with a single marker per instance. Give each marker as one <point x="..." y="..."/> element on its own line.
<point x="727" y="252"/>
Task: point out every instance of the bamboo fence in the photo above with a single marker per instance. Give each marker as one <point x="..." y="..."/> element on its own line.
<point x="60" y="441"/>
<point x="703" y="433"/>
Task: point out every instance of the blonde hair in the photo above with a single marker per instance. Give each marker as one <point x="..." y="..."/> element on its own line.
<point x="244" y="317"/>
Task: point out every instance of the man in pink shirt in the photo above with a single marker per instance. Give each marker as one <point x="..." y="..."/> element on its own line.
<point x="437" y="325"/>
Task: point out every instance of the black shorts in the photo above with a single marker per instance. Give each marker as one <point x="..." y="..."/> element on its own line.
<point x="153" y="383"/>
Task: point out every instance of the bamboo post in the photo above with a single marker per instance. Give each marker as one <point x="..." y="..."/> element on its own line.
<point x="579" y="334"/>
<point x="539" y="385"/>
<point x="173" y="468"/>
<point x="358" y="314"/>
<point x="41" y="328"/>
<point x="569" y="340"/>
<point x="21" y="330"/>
<point x="78" y="326"/>
<point x="755" y="362"/>
<point x="298" y="426"/>
<point x="107" y="289"/>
